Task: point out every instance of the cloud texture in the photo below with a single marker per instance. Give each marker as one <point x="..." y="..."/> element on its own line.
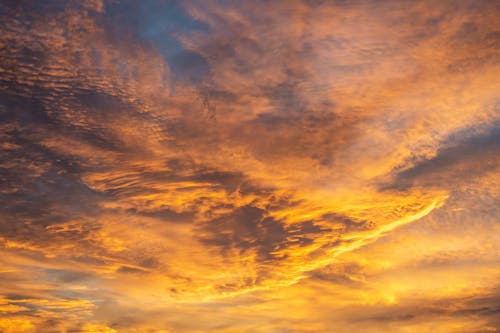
<point x="254" y="166"/>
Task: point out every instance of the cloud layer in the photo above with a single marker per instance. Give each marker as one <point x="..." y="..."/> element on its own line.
<point x="288" y="166"/>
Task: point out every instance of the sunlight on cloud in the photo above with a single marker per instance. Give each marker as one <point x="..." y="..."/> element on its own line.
<point x="288" y="166"/>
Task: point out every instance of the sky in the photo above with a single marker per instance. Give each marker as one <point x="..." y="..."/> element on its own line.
<point x="249" y="166"/>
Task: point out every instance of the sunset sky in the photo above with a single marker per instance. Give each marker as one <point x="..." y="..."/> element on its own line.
<point x="250" y="166"/>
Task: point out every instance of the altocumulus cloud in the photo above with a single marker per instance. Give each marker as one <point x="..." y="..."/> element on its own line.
<point x="302" y="166"/>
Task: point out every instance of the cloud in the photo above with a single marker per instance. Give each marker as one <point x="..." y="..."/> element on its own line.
<point x="463" y="161"/>
<point x="251" y="164"/>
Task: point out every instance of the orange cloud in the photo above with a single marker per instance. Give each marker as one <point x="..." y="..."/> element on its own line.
<point x="300" y="166"/>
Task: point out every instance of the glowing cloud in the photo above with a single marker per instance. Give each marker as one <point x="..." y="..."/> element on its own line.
<point x="285" y="166"/>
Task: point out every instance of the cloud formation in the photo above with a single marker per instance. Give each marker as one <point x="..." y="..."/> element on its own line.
<point x="294" y="166"/>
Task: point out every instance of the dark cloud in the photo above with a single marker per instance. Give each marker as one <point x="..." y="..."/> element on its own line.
<point x="461" y="161"/>
<point x="66" y="276"/>
<point x="248" y="228"/>
<point x="485" y="307"/>
<point x="130" y="270"/>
